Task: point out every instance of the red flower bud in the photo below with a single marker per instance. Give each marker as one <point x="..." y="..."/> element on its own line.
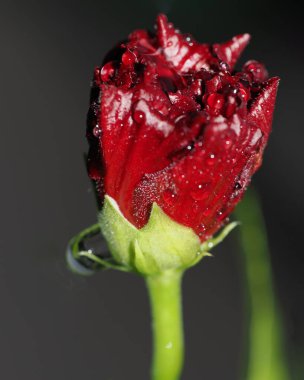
<point x="170" y="123"/>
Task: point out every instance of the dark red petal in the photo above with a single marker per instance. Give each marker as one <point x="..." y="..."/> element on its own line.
<point x="202" y="188"/>
<point x="137" y="139"/>
<point x="182" y="51"/>
<point x="230" y="51"/>
<point x="170" y="123"/>
<point x="261" y="110"/>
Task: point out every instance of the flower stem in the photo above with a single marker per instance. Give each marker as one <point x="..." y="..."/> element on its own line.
<point x="266" y="359"/>
<point x="165" y="297"/>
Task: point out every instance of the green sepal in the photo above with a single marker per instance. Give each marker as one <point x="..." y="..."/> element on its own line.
<point x="119" y="233"/>
<point x="214" y="241"/>
<point x="162" y="244"/>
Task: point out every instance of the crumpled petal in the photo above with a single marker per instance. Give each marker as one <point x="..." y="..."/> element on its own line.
<point x="171" y="123"/>
<point x="231" y="51"/>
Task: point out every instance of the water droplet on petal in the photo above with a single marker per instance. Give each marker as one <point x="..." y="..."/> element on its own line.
<point x="210" y="244"/>
<point x="189" y="39"/>
<point x="215" y="102"/>
<point x="139" y="116"/>
<point x="107" y="71"/>
<point x="243" y="93"/>
<point x="180" y="177"/>
<point x="224" y="66"/>
<point x="202" y="228"/>
<point x="189" y="147"/>
<point x="220" y="215"/>
<point x="237" y="186"/>
<point x="228" y="143"/>
<point x="200" y="193"/>
<point x="169" y="197"/>
<point x="97" y="131"/>
<point x="128" y="58"/>
<point x="210" y="160"/>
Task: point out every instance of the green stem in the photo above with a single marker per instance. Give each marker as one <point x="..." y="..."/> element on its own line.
<point x="266" y="359"/>
<point x="165" y="297"/>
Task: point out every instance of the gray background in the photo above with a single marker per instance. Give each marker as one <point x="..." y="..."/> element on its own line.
<point x="54" y="325"/>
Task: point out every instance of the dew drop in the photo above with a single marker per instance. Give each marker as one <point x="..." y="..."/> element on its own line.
<point x="180" y="177"/>
<point x="139" y="116"/>
<point x="228" y="143"/>
<point x="210" y="160"/>
<point x="189" y="147"/>
<point x="189" y="39"/>
<point x="97" y="131"/>
<point x="128" y="58"/>
<point x="224" y="66"/>
<point x="243" y="94"/>
<point x="200" y="193"/>
<point x="237" y="186"/>
<point x="107" y="71"/>
<point x="215" y="101"/>
<point x="202" y="228"/>
<point x="220" y="215"/>
<point x="169" y="197"/>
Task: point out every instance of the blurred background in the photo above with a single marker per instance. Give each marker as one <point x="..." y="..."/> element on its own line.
<point x="55" y="325"/>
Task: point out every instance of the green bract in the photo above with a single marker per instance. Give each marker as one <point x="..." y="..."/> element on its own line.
<point x="160" y="245"/>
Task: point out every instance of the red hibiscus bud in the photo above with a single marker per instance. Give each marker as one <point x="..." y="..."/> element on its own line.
<point x="171" y="124"/>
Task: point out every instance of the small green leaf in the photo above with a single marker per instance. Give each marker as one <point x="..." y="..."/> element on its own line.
<point x="214" y="241"/>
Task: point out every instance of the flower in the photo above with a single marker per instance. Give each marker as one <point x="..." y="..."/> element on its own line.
<point x="171" y="123"/>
